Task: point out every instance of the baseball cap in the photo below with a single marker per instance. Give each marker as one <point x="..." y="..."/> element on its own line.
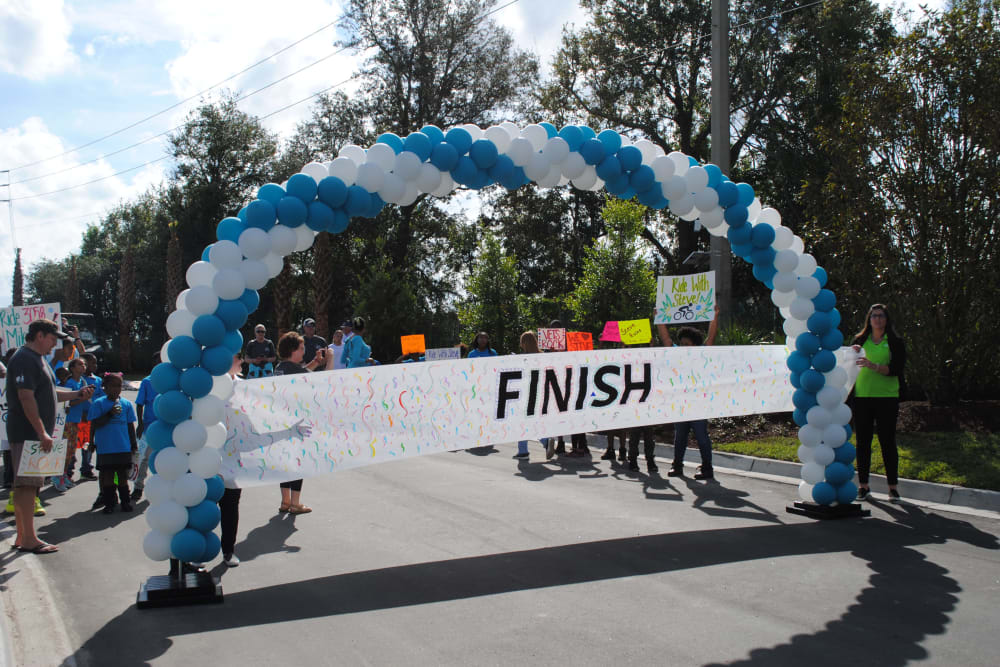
<point x="348" y="323"/>
<point x="309" y="322"/>
<point x="45" y="326"/>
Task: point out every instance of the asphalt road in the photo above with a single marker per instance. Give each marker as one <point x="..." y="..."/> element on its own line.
<point x="477" y="558"/>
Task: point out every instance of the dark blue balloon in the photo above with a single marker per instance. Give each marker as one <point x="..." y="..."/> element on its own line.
<point x="209" y="330"/>
<point x="824" y="493"/>
<point x="250" y="299"/>
<point x="592" y="151"/>
<point x="205" y="256"/>
<point x="419" y="143"/>
<point x="234" y="341"/>
<point x="573" y="136"/>
<point x="242" y="214"/>
<point x="630" y="158"/>
<point x="213" y="545"/>
<point x="159" y="434"/>
<point x="762" y="236"/>
<point x="692" y="162"/>
<point x="795" y="379"/>
<point x="444" y="156"/>
<point x="484" y="153"/>
<point x="184" y="352"/>
<point x="217" y="360"/>
<point x="642" y="179"/>
<point x="746" y="194"/>
<point x="358" y="201"/>
<point x="652" y="197"/>
<point x="173" y="407"/>
<point x="501" y="168"/>
<point x="819" y="323"/>
<point x="464" y="172"/>
<point x="164" y="377"/>
<point x="714" y="175"/>
<point x="742" y="250"/>
<point x="765" y="273"/>
<point x="261" y="214"/>
<point x="834" y="318"/>
<point x="302" y="186"/>
<point x="609" y="169"/>
<point x="825" y="300"/>
<point x="837" y="473"/>
<point x="340" y="220"/>
<point x="196" y="382"/>
<point x="292" y="211"/>
<point x="216" y="488"/>
<point x="736" y="215"/>
<point x="612" y="141"/>
<point x="761" y="256"/>
<point x="233" y="315"/>
<point x="799" y="417"/>
<point x="460" y="139"/>
<point x="807" y="343"/>
<point x="480" y="180"/>
<point x="271" y="192"/>
<point x="332" y="192"/>
<point x="820" y="275"/>
<point x="550" y="129"/>
<point x="433" y="133"/>
<point x="188" y="545"/>
<point x="587" y="132"/>
<point x="803" y="399"/>
<point x="832" y="340"/>
<point x="824" y="361"/>
<point x="391" y="140"/>
<point x="229" y="229"/>
<point x="740" y="234"/>
<point x="812" y="381"/>
<point x="729" y="194"/>
<point x="320" y="216"/>
<point x="628" y="194"/>
<point x="152" y="461"/>
<point x="847" y="493"/>
<point x="204" y="516"/>
<point x="845" y="453"/>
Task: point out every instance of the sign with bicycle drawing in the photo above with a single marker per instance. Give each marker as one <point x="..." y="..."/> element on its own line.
<point x="685" y="299"/>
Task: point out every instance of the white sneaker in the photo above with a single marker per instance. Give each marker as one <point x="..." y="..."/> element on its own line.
<point x="230" y="560"/>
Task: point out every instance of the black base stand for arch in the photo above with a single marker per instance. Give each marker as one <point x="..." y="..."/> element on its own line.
<point x="184" y="585"/>
<point x="816" y="511"/>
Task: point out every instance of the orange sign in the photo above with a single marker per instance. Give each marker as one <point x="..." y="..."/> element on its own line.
<point x="579" y="340"/>
<point x="412" y="344"/>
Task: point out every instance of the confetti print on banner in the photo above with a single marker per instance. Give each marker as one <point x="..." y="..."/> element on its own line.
<point x="387" y="413"/>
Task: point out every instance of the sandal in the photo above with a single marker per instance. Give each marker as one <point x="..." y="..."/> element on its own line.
<point x="299" y="509"/>
<point x="42" y="548"/>
<point x="284" y="507"/>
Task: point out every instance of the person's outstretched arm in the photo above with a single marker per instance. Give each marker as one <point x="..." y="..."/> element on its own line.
<point x="713" y="327"/>
<point x="664" y="335"/>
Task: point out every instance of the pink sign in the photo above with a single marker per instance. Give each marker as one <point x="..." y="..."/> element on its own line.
<point x="610" y="333"/>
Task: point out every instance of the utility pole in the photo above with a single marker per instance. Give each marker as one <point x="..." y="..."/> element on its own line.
<point x="721" y="260"/>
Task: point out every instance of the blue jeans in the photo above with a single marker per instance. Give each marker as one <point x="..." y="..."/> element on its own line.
<point x="681" y="431"/>
<point x="522" y="445"/>
<point x="85" y="466"/>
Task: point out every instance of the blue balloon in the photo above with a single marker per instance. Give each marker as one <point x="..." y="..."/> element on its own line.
<point x="824" y="493"/>
<point x="392" y="141"/>
<point x="433" y="133"/>
<point x="229" y="229"/>
<point x="819" y="323"/>
<point x="765" y="272"/>
<point x="205" y="254"/>
<point x="729" y="194"/>
<point x="234" y="341"/>
<point x="271" y="192"/>
<point x="812" y="381"/>
<point x="213" y="545"/>
<point x="845" y="453"/>
<point x="302" y="186"/>
<point x="832" y="340"/>
<point x="763" y="257"/>
<point x="834" y="318"/>
<point x="572" y="136"/>
<point x="824" y="361"/>
<point x="652" y="197"/>
<point x="358" y="201"/>
<point x="847" y="493"/>
<point x="628" y="194"/>
<point x="204" y="516"/>
<point x="320" y="216"/>
<point x="340" y="220"/>
<point x="208" y="330"/>
<point x="550" y="129"/>
<point x="820" y="275"/>
<point x="420" y="144"/>
<point x="261" y="214"/>
<point x="250" y="299"/>
<point x="742" y="250"/>
<point x="242" y="214"/>
<point x="692" y="162"/>
<point x="612" y="141"/>
<point x="164" y="377"/>
<point x="184" y="352"/>
<point x="233" y="315"/>
<point x="798" y="362"/>
<point x="502" y="168"/>
<point x="152" y="461"/>
<point x="464" y="172"/>
<point x="480" y="179"/>
<point x="216" y="488"/>
<point x="643" y="179"/>
<point x="737" y="215"/>
<point x="714" y="175"/>
<point x="587" y="132"/>
<point x="217" y="360"/>
<point x="803" y="399"/>
<point x="172" y="407"/>
<point x="159" y="434"/>
<point x="838" y="473"/>
<point x="609" y="169"/>
<point x="188" y="545"/>
<point x="444" y="156"/>
<point x="762" y="236"/>
<point x="799" y="417"/>
<point x="332" y="192"/>
<point x="807" y="343"/>
<point x="292" y="211"/>
<point x="746" y="194"/>
<point x="825" y="301"/>
<point x="630" y="158"/>
<point x="460" y="139"/>
<point x="592" y="151"/>
<point x="739" y="234"/>
<point x="484" y="153"/>
<point x="795" y="379"/>
<point x="617" y="186"/>
<point x="196" y="382"/>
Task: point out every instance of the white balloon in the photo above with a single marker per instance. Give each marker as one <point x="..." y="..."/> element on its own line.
<point x="537" y="168"/>
<point x="663" y="168"/>
<point x="770" y="216"/>
<point x="712" y="218"/>
<point x="407" y="166"/>
<point x="316" y="170"/>
<point x="171" y="463"/>
<point x="785" y="261"/>
<point x="823" y="456"/>
<point x="797" y="245"/>
<point x="474" y="130"/>
<point x="163" y="352"/>
<point x="682" y="206"/>
<point x="429" y="178"/>
<point x="179" y="323"/>
<point x="222" y="386"/>
<point x="356" y="154"/>
<point x="274" y="264"/>
<point x="157" y="490"/>
<point x="806" y="491"/>
<point x="836" y="378"/>
<point x="813" y="472"/>
<point x="692" y="214"/>
<point x="304" y="238"/>
<point x="782" y="299"/>
<point x="156" y="545"/>
<point x="537" y="135"/>
<point x="410" y="195"/>
<point x="805" y="454"/>
<point x="801" y="309"/>
<point x="282" y="240"/>
<point x="169" y="517"/>
<point x="574" y="166"/>
<point x="674" y="187"/>
<point x="206" y="462"/>
<point x="189" y="490"/>
<point x="834" y="435"/>
<point x="716" y="230"/>
<point x="229" y="284"/>
<point x="562" y="180"/>
<point x="648" y="150"/>
<point x="784" y="281"/>
<point x="499" y="136"/>
<point x="793" y="327"/>
<point x="597" y="186"/>
<point x="189" y="436"/>
<point x="810" y="436"/>
<point x="828" y="397"/>
<point x="216" y="435"/>
<point x="697" y="179"/>
<point x="681" y="163"/>
<point x="208" y="410"/>
<point x="706" y="199"/>
<point x="255" y="273"/>
<point x="625" y="140"/>
<point x="782" y="236"/>
<point x="807" y="266"/>
<point x="381" y="155"/>
<point x="520" y="151"/>
<point x="754" y="211"/>
<point x="202" y="300"/>
<point x="841" y="416"/>
<point x="346" y="169"/>
<point x="447" y="185"/>
<point x="180" y="303"/>
<point x="807" y="286"/>
<point x="586" y="180"/>
<point x="556" y="150"/>
<point x="551" y="179"/>
<point x="254" y="244"/>
<point x="512" y="129"/>
<point x="393" y="187"/>
<point x="818" y="416"/>
<point x="370" y="176"/>
<point x="225" y="255"/>
<point x="200" y="273"/>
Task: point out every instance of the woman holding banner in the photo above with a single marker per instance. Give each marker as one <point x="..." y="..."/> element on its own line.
<point x="529" y="345"/>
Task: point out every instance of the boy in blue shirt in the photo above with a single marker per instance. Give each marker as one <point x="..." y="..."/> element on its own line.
<point x="146" y="415"/>
<point x="112" y="419"/>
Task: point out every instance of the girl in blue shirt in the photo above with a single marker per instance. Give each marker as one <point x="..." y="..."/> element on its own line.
<point x="357" y="352"/>
<point x="112" y="420"/>
<point x="74" y="415"/>
<point x="481" y="346"/>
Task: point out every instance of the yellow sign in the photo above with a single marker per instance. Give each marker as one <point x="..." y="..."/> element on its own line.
<point x="635" y="332"/>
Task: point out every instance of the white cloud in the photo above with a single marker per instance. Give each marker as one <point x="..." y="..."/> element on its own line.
<point x="51" y="226"/>
<point x="34" y="38"/>
<point x="537" y="26"/>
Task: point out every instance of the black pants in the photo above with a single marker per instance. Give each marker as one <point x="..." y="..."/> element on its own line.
<point x="579" y="441"/>
<point x="107" y="482"/>
<point x="649" y="447"/>
<point x="876" y="415"/>
<point x="229" y="505"/>
<point x="294" y="485"/>
<point x="8" y="468"/>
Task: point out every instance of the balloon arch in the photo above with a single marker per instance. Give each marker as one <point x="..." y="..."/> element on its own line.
<point x="193" y="382"/>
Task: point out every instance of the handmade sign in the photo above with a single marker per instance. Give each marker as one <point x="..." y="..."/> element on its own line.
<point x="370" y="415"/>
<point x="610" y="333"/>
<point x="438" y="353"/>
<point x="37" y="463"/>
<point x="413" y="344"/>
<point x="552" y="339"/>
<point x="14" y="322"/>
<point x="577" y="341"/>
<point x="635" y="332"/>
<point x="685" y="299"/>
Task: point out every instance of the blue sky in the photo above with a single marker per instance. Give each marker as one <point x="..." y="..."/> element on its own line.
<point x="72" y="71"/>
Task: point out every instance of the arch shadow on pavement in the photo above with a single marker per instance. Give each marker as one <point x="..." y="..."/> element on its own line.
<point x="907" y="599"/>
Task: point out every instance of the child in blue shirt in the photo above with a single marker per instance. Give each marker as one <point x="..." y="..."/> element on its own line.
<point x="112" y="422"/>
<point x="357" y="352"/>
<point x="90" y="377"/>
<point x="146" y="415"/>
<point x="75" y="412"/>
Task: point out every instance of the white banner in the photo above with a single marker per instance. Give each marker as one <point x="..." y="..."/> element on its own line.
<point x="370" y="415"/>
<point x="14" y="321"/>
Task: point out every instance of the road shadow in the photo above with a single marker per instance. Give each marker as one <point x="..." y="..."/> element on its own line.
<point x="482" y="451"/>
<point x="907" y="597"/>
<point x="714" y="499"/>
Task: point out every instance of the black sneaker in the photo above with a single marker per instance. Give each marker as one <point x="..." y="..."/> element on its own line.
<point x="608" y="455"/>
<point x="88" y="475"/>
<point x="622" y="455"/>
<point x="704" y="474"/>
<point x="108" y="509"/>
<point x="633" y="465"/>
<point x="652" y="467"/>
<point x="864" y="494"/>
<point x="522" y="456"/>
<point x="675" y="471"/>
<point x="894" y="496"/>
<point x="98" y="504"/>
<point x="126" y="507"/>
<point x="136" y="495"/>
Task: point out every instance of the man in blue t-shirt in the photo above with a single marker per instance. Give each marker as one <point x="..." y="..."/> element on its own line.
<point x="146" y="415"/>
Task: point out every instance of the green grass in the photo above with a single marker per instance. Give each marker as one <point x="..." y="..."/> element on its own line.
<point x="962" y="458"/>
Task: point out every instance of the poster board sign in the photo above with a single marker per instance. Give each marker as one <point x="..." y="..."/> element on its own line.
<point x="14" y="321"/>
<point x="610" y="333"/>
<point x="578" y="341"/>
<point x="635" y="332"/>
<point x="36" y="463"/>
<point x="552" y="339"/>
<point x="685" y="299"/>
<point x="413" y="344"/>
<point x="439" y="353"/>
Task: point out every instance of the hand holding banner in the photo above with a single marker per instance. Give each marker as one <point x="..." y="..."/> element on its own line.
<point x="635" y="332"/>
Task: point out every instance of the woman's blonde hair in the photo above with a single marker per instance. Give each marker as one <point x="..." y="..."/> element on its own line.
<point x="529" y="342"/>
